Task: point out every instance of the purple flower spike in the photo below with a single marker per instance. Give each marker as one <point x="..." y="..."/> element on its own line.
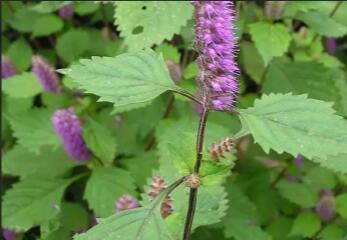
<point x="126" y="202"/>
<point x="216" y="45"/>
<point x="325" y="207"/>
<point x="8" y="234"/>
<point x="66" y="12"/>
<point x="46" y="74"/>
<point x="68" y="126"/>
<point x="7" y="67"/>
<point x="330" y="45"/>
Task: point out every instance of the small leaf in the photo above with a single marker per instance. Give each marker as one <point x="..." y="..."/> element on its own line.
<point x="341" y="206"/>
<point x="297" y="125"/>
<point x="47" y="25"/>
<point x="140" y="223"/>
<point x="32" y="202"/>
<point x="126" y="79"/>
<point x="104" y="188"/>
<point x="100" y="140"/>
<point x="306" y="224"/>
<point x="252" y="61"/>
<point x="24" y="19"/>
<point x="271" y="40"/>
<point x="20" y="53"/>
<point x="24" y="85"/>
<point x="49" y="6"/>
<point x="135" y="20"/>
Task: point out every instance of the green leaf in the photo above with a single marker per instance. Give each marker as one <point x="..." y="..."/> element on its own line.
<point x="252" y="61"/>
<point x="169" y="52"/>
<point x="322" y="23"/>
<point x="72" y="44"/>
<point x="298" y="193"/>
<point x="135" y="20"/>
<point x="24" y="85"/>
<point x="34" y="129"/>
<point x="331" y="231"/>
<point x="49" y="163"/>
<point x="140" y="223"/>
<point x="46" y="25"/>
<point x="84" y="8"/>
<point x="100" y="140"/>
<point x="20" y="53"/>
<point x="320" y="178"/>
<point x="126" y="79"/>
<point x="104" y="188"/>
<point x="49" y="6"/>
<point x="24" y="19"/>
<point x="32" y="202"/>
<point x="341" y="206"/>
<point x="271" y="40"/>
<point x="306" y="224"/>
<point x="297" y="125"/>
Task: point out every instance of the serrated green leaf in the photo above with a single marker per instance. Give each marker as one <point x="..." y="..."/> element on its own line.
<point x="297" y="125"/>
<point x="306" y="225"/>
<point x="298" y="193"/>
<point x="100" y="140"/>
<point x="28" y="83"/>
<point x="49" y="163"/>
<point x="135" y="20"/>
<point x="32" y="202"/>
<point x="341" y="206"/>
<point x="140" y="223"/>
<point x="47" y="25"/>
<point x="126" y="79"/>
<point x="322" y="23"/>
<point x="271" y="40"/>
<point x="20" y="53"/>
<point x="49" y="6"/>
<point x="104" y="188"/>
<point x="34" y="129"/>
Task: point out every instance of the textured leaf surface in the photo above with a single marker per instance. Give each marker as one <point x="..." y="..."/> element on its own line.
<point x="32" y="202"/>
<point x="49" y="162"/>
<point x="34" y="129"/>
<point x="104" y="188"/>
<point x="126" y="79"/>
<point x="297" y="125"/>
<point x="271" y="40"/>
<point x="135" y="20"/>
<point x="140" y="223"/>
<point x="21" y="86"/>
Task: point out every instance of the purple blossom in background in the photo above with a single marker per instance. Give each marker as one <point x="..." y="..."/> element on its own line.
<point x="299" y="161"/>
<point x="68" y="126"/>
<point x="126" y="202"/>
<point x="216" y="45"/>
<point x="8" y="234"/>
<point x="330" y="45"/>
<point x="66" y="12"/>
<point x="325" y="207"/>
<point x="7" y="67"/>
<point x="46" y="74"/>
<point x="274" y="9"/>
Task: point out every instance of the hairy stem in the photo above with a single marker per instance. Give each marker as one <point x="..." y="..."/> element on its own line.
<point x="188" y="95"/>
<point x="194" y="191"/>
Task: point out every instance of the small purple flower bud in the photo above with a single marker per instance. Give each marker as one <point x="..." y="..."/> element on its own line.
<point x="216" y="45"/>
<point x="274" y="9"/>
<point x="126" y="202"/>
<point x="325" y="207"/>
<point x="8" y="234"/>
<point x="299" y="160"/>
<point x="68" y="126"/>
<point x="330" y="45"/>
<point x="66" y="12"/>
<point x="157" y="186"/>
<point x="7" y="67"/>
<point x="46" y="74"/>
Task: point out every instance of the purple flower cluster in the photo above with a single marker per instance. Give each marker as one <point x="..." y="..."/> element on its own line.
<point x="216" y="45"/>
<point x="126" y="202"/>
<point x="8" y="234"/>
<point x="68" y="126"/>
<point x="66" y="12"/>
<point x="46" y="74"/>
<point x="7" y="67"/>
<point x="325" y="207"/>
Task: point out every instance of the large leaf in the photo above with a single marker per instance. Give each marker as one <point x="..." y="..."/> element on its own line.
<point x="34" y="128"/>
<point x="49" y="163"/>
<point x="104" y="188"/>
<point x="126" y="79"/>
<point x="32" y="202"/>
<point x="271" y="40"/>
<point x="136" y="21"/>
<point x="140" y="223"/>
<point x="22" y="86"/>
<point x="297" y="125"/>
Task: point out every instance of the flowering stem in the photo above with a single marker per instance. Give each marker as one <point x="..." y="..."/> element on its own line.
<point x="188" y="95"/>
<point x="194" y="191"/>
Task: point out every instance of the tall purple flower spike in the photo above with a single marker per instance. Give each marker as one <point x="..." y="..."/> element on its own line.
<point x="330" y="45"/>
<point x="216" y="45"/>
<point x="68" y="126"/>
<point x="46" y="74"/>
<point x="7" y="67"/>
<point x="66" y="12"/>
<point x="126" y="202"/>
